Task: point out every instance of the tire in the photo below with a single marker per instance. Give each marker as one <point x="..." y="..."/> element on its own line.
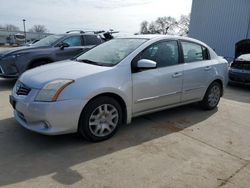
<point x="212" y="96"/>
<point x="38" y="63"/>
<point x="100" y="119"/>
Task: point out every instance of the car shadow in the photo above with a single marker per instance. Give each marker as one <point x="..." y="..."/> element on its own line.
<point x="240" y="93"/>
<point x="6" y="84"/>
<point x="25" y="155"/>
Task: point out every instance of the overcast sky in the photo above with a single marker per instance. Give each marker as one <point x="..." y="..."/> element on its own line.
<point x="61" y="15"/>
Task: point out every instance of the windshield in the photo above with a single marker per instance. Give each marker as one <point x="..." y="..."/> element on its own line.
<point x="112" y="52"/>
<point x="47" y="41"/>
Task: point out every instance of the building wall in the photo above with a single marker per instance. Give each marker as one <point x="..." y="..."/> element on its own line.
<point x="220" y="23"/>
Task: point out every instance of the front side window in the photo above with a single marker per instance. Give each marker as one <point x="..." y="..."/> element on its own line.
<point x="163" y="53"/>
<point x="194" y="52"/>
<point x="73" y="41"/>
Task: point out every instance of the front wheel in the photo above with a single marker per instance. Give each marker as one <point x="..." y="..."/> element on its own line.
<point x="100" y="119"/>
<point x="212" y="96"/>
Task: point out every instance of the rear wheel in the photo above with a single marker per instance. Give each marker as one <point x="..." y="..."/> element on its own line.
<point x="212" y="96"/>
<point x="100" y="119"/>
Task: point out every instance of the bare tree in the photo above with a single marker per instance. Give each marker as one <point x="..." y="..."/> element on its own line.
<point x="38" y="29"/>
<point x="10" y="27"/>
<point x="171" y="24"/>
<point x="161" y="24"/>
<point x="144" y="27"/>
<point x="152" y="28"/>
<point x="166" y="24"/>
<point x="183" y="25"/>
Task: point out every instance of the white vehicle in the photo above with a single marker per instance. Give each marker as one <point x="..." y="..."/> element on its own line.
<point x="116" y="81"/>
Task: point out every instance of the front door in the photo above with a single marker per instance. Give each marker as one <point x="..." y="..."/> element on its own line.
<point x="75" y="47"/>
<point x="162" y="86"/>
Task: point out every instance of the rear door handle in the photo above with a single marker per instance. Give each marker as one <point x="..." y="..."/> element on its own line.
<point x="177" y="74"/>
<point x="207" y="68"/>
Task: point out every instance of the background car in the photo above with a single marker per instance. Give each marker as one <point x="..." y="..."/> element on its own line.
<point x="239" y="71"/>
<point x="14" y="61"/>
<point x="116" y="81"/>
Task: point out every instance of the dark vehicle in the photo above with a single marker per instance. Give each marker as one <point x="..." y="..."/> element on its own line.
<point x="239" y="71"/>
<point x="14" y="61"/>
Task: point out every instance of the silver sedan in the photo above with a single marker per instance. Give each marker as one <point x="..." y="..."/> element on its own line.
<point x="110" y="84"/>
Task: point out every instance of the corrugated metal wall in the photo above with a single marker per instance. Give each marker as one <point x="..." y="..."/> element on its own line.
<point x="220" y="23"/>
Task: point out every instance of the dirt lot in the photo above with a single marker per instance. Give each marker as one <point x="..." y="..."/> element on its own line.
<point x="181" y="147"/>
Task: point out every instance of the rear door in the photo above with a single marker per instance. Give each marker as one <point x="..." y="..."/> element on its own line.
<point x="159" y="87"/>
<point x="196" y="70"/>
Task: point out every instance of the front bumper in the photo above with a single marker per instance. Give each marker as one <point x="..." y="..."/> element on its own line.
<point x="49" y="118"/>
<point x="239" y="77"/>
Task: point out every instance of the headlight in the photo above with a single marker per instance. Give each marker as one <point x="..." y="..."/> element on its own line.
<point x="52" y="90"/>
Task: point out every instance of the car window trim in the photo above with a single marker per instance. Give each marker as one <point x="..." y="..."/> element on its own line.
<point x="56" y="43"/>
<point x="83" y="40"/>
<point x="181" y="48"/>
<point x="135" y="59"/>
<point x="71" y="36"/>
<point x="60" y="41"/>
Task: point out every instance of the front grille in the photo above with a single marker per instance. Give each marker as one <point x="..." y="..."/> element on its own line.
<point x="244" y="65"/>
<point x="22" y="89"/>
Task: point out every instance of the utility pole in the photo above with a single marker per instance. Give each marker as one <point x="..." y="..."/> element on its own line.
<point x="24" y="30"/>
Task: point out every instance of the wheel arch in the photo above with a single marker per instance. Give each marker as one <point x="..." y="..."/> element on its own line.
<point x="47" y="59"/>
<point x="115" y="96"/>
<point x="218" y="80"/>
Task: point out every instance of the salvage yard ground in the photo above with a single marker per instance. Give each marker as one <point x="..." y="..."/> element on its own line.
<point x="181" y="147"/>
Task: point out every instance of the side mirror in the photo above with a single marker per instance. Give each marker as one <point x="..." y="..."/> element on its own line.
<point x="146" y="64"/>
<point x="63" y="45"/>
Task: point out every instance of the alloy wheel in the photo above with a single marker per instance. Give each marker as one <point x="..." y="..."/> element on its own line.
<point x="103" y="120"/>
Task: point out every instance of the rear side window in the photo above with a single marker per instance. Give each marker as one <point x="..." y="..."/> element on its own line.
<point x="193" y="52"/>
<point x="92" y="40"/>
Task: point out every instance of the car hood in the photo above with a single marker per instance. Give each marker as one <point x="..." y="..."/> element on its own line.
<point x="36" y="78"/>
<point x="16" y="50"/>
<point x="243" y="57"/>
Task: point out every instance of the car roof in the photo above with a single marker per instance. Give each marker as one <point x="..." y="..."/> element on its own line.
<point x="74" y="34"/>
<point x="160" y="37"/>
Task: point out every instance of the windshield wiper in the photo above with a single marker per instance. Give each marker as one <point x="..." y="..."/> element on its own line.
<point x="91" y="62"/>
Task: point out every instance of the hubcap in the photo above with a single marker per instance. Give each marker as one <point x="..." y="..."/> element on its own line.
<point x="103" y="120"/>
<point x="214" y="96"/>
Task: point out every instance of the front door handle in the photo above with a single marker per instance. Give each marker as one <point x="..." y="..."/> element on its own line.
<point x="177" y="74"/>
<point x="207" y="68"/>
